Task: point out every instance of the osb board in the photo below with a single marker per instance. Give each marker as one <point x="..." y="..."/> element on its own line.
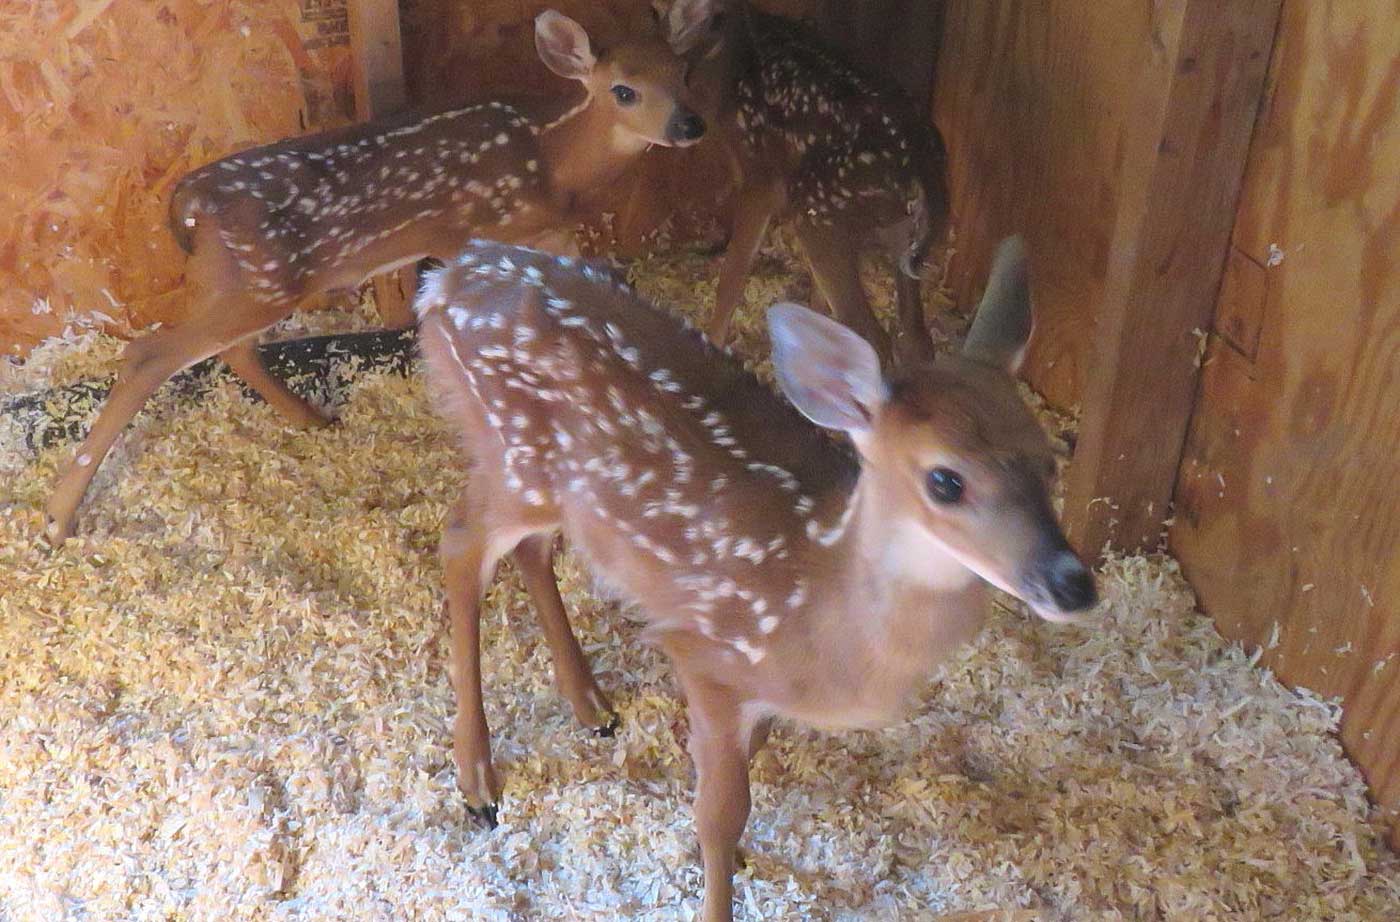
<point x="104" y="104"/>
<point x="227" y="699"/>
<point x="1032" y="99"/>
<point x="1288" y="513"/>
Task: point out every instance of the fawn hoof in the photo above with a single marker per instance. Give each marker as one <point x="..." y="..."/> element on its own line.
<point x="487" y="816"/>
<point x="608" y="729"/>
<point x="58" y="527"/>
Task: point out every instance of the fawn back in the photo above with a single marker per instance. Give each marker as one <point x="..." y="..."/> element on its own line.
<point x="783" y="573"/>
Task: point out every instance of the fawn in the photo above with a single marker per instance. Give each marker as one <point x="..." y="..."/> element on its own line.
<point x="268" y="228"/>
<point x="783" y="574"/>
<point x="841" y="154"/>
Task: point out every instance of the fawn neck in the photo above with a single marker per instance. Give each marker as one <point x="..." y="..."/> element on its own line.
<point x="886" y="604"/>
<point x="586" y="148"/>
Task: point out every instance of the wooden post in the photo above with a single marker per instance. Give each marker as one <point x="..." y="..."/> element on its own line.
<point x="376" y="48"/>
<point x="1198" y="94"/>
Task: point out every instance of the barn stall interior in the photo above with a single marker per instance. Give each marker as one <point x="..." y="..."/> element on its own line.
<point x="227" y="695"/>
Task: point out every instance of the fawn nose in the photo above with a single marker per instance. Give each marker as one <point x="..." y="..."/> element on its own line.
<point x="685" y="127"/>
<point x="1070" y="583"/>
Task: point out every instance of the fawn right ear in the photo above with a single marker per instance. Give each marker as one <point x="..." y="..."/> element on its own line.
<point x="686" y="22"/>
<point x="563" y="46"/>
<point x="825" y="369"/>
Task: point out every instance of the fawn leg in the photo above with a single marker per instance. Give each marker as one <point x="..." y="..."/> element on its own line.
<point x="718" y="745"/>
<point x="216" y="322"/>
<point x="913" y="345"/>
<point x="466" y="564"/>
<point x="758" y="202"/>
<point x="834" y="259"/>
<point x="247" y="363"/>
<point x="534" y="558"/>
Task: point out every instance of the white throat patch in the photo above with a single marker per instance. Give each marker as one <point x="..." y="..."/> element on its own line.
<point x="912" y="554"/>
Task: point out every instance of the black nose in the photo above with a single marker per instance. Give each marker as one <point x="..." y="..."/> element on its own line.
<point x="1071" y="584"/>
<point x="687" y="127"/>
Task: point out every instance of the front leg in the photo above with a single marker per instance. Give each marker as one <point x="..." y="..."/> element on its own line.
<point x="719" y="745"/>
<point x="757" y="202"/>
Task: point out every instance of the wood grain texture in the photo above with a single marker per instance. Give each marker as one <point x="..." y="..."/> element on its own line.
<point x="377" y="51"/>
<point x="376" y="48"/>
<point x="1197" y="91"/>
<point x="1032" y="99"/>
<point x="1288" y="498"/>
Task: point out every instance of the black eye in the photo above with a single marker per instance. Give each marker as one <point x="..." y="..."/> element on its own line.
<point x="945" y="486"/>
<point x="625" y="95"/>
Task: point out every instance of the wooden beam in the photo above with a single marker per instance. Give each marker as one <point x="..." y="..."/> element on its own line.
<point x="1184" y="146"/>
<point x="1287" y="514"/>
<point x="376" y="48"/>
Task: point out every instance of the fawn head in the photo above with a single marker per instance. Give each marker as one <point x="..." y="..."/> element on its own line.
<point x="643" y="81"/>
<point x="958" y="467"/>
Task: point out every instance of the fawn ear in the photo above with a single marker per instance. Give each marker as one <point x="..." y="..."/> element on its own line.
<point x="825" y="369"/>
<point x="1002" y="328"/>
<point x="563" y="46"/>
<point x="685" y="23"/>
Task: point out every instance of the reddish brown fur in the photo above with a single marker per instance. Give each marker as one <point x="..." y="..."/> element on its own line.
<point x="269" y="227"/>
<point x="781" y="577"/>
<point x="839" y="153"/>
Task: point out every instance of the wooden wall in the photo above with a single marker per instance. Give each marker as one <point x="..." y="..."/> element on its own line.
<point x="103" y="106"/>
<point x="1288" y="497"/>
<point x="1032" y="99"/>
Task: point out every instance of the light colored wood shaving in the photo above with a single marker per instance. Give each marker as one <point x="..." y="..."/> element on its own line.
<point x="227" y="699"/>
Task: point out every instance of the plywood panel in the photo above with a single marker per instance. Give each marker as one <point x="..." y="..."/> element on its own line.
<point x="1198" y="90"/>
<point x="376" y="49"/>
<point x="1288" y="500"/>
<point x="1032" y="99"/>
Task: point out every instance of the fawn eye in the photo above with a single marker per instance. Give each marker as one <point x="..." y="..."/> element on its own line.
<point x="624" y="95"/>
<point x="945" y="486"/>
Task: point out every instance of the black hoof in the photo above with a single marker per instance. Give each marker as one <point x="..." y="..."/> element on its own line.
<point x="609" y="729"/>
<point x="487" y="816"/>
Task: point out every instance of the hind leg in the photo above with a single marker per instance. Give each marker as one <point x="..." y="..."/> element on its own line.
<point x="216" y="323"/>
<point x="245" y="361"/>
<point x="534" y="558"/>
<point x="466" y="568"/>
<point x="834" y="260"/>
<point x="478" y="533"/>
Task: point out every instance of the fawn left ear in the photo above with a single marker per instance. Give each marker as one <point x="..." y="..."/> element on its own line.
<point x="563" y="46"/>
<point x="826" y="370"/>
<point x="1001" y="331"/>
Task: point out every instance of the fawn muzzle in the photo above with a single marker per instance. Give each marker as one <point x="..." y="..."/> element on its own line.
<point x="684" y="128"/>
<point x="1060" y="587"/>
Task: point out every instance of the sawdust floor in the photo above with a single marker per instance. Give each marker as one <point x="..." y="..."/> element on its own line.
<point x="228" y="700"/>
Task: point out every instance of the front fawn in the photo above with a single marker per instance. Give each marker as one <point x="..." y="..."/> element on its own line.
<point x="784" y="574"/>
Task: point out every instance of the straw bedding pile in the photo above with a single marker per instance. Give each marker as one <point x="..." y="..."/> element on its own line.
<point x="228" y="699"/>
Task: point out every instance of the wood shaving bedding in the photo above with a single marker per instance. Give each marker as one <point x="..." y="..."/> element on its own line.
<point x="227" y="699"/>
